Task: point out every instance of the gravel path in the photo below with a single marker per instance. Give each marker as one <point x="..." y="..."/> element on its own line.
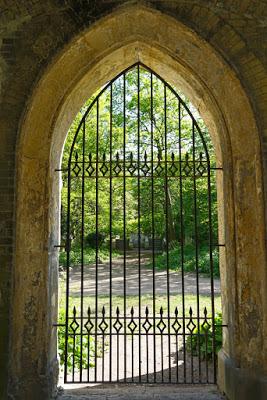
<point x="132" y="279"/>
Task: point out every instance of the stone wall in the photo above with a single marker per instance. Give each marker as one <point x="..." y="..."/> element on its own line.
<point x="32" y="35"/>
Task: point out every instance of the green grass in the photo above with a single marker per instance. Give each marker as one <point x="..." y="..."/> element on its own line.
<point x="146" y="300"/>
<point x="189" y="260"/>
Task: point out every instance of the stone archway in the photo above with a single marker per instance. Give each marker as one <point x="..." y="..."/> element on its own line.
<point x="138" y="34"/>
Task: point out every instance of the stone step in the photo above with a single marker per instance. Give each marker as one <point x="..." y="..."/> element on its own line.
<point x="141" y="392"/>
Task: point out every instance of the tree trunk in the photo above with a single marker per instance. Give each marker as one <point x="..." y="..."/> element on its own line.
<point x="171" y="227"/>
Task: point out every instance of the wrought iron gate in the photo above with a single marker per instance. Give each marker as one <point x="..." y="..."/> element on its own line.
<point x="140" y="198"/>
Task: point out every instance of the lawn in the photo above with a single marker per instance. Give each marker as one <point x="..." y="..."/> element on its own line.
<point x="145" y="300"/>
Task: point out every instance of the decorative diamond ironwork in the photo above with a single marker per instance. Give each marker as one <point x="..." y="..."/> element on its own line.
<point x="173" y="169"/>
<point x="161" y="324"/>
<point x="76" y="169"/>
<point x="147" y="324"/>
<point x="205" y="325"/>
<point x="117" y="325"/>
<point x="117" y="168"/>
<point x="103" y="325"/>
<point x="90" y="169"/>
<point x="187" y="169"/>
<point x="104" y="168"/>
<point x="159" y="167"/>
<point x="131" y="168"/>
<point x="176" y="325"/>
<point x="145" y="168"/>
<point x="191" y="325"/>
<point x="89" y="325"/>
<point x="201" y="168"/>
<point x="132" y="324"/>
<point x="74" y="325"/>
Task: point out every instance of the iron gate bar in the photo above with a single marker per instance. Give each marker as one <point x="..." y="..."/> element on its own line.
<point x="82" y="248"/>
<point x="153" y="221"/>
<point x="96" y="237"/>
<point x="110" y="168"/>
<point x="196" y="241"/>
<point x="110" y="219"/>
<point x="167" y="226"/>
<point x="182" y="232"/>
<point x="139" y="212"/>
<point x="67" y="270"/>
<point x="124" y="220"/>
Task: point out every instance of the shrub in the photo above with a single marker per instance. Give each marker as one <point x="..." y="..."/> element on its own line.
<point x="202" y="340"/>
<point x="90" y="239"/>
<point x="74" y="350"/>
<point x="189" y="259"/>
<point x="89" y="255"/>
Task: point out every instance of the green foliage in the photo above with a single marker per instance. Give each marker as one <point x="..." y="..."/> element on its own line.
<point x="189" y="259"/>
<point x="74" y="347"/>
<point x="183" y="204"/>
<point x="89" y="255"/>
<point x="92" y="237"/>
<point x="202" y="339"/>
<point x="77" y="353"/>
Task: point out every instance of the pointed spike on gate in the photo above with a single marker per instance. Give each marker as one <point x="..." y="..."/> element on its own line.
<point x="176" y="311"/>
<point x="117" y="311"/>
<point x="147" y="311"/>
<point x="90" y="156"/>
<point x="132" y="311"/>
<point x="205" y="311"/>
<point x="186" y="156"/>
<point x="89" y="311"/>
<point x="103" y="310"/>
<point x="74" y="311"/>
<point x="201" y="155"/>
<point x="104" y="157"/>
<point x="145" y="155"/>
<point x="172" y="156"/>
<point x="190" y="311"/>
<point x="117" y="155"/>
<point x="161" y="310"/>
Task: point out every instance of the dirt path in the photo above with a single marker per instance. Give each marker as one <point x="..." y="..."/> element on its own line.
<point x="132" y="279"/>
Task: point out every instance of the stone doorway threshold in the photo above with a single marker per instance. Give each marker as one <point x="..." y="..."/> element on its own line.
<point x="140" y="392"/>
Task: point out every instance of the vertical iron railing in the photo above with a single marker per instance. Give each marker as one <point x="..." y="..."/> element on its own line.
<point x="110" y="230"/>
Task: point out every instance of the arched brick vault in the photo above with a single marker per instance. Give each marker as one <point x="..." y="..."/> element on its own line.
<point x="31" y="41"/>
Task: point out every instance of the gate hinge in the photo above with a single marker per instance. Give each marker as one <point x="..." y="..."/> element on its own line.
<point x="65" y="246"/>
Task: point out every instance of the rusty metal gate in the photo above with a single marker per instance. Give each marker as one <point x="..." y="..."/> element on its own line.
<point x="139" y="222"/>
